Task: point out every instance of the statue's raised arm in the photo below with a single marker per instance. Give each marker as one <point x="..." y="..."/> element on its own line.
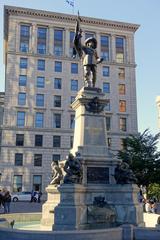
<point x="87" y="53"/>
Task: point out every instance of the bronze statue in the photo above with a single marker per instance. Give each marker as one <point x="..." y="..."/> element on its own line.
<point x="88" y="54"/>
<point x="57" y="174"/>
<point x="123" y="174"/>
<point x="73" y="169"/>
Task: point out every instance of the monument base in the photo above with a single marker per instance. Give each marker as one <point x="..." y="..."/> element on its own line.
<point x="92" y="206"/>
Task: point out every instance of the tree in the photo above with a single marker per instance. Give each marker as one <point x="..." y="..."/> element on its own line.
<point x="140" y="152"/>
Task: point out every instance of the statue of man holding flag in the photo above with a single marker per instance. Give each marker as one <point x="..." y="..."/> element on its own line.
<point x="88" y="54"/>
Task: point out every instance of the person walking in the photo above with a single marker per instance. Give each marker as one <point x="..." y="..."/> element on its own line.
<point x="7" y="202"/>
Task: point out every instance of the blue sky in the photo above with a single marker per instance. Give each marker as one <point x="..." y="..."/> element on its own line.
<point x="147" y="43"/>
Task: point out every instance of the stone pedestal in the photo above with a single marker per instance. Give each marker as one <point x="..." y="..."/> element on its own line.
<point x="98" y="202"/>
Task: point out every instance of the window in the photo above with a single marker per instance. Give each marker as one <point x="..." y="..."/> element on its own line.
<point x="56" y="157"/>
<point x="58" y="42"/>
<point x="21" y="99"/>
<point x="41" y="40"/>
<point x="122" y="143"/>
<point x="71" y="141"/>
<point x="122" y="89"/>
<point x="40" y="100"/>
<point x="40" y="82"/>
<point x="17" y="183"/>
<point x="57" y="83"/>
<point x="38" y="160"/>
<point x="22" y="80"/>
<point x="106" y="87"/>
<point x="23" y="63"/>
<point x="119" y="49"/>
<point x="58" y="66"/>
<point x="57" y="141"/>
<point x="74" y="68"/>
<point x="71" y="45"/>
<point x="20" y="119"/>
<point x="123" y="124"/>
<point x="105" y="47"/>
<point x="57" y="101"/>
<point x="109" y="142"/>
<point x="105" y="71"/>
<point x="38" y="140"/>
<point x="107" y="107"/>
<point x="108" y="123"/>
<point x="72" y="99"/>
<point x="89" y="34"/>
<point x="72" y="121"/>
<point x="24" y="38"/>
<point x="74" y="85"/>
<point x="18" y="159"/>
<point x="37" y="182"/>
<point x="39" y="119"/>
<point x="121" y="73"/>
<point x="19" y="139"/>
<point x="57" y="120"/>
<point x="122" y="105"/>
<point x="41" y="65"/>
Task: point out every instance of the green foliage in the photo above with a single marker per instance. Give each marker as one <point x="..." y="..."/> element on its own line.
<point x="154" y="191"/>
<point x="141" y="153"/>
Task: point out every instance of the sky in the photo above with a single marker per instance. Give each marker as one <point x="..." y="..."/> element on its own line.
<point x="147" y="43"/>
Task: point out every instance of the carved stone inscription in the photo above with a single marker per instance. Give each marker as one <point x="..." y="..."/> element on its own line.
<point x="98" y="175"/>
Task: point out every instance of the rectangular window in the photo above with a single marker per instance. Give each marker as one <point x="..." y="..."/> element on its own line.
<point x="17" y="183"/>
<point x="57" y="141"/>
<point x="72" y="99"/>
<point x="58" y="66"/>
<point x="106" y="87"/>
<point x="56" y="157"/>
<point x="41" y="40"/>
<point x="41" y="65"/>
<point x="122" y="105"/>
<point x="108" y="123"/>
<point x="122" y="89"/>
<point x="57" y="101"/>
<point x="22" y="80"/>
<point x="105" y="71"/>
<point x="74" y="68"/>
<point x="105" y="47"/>
<point x="121" y="73"/>
<point x="108" y="106"/>
<point x="72" y="121"/>
<point x="122" y="143"/>
<point x="19" y="159"/>
<point x="37" y="182"/>
<point x="74" y="85"/>
<point x="20" y="119"/>
<point x="109" y="142"/>
<point x="119" y="49"/>
<point x="39" y="119"/>
<point x="57" y="83"/>
<point x="19" y="139"/>
<point x="38" y="160"/>
<point x="57" y="120"/>
<point x="58" y="42"/>
<point x="71" y="45"/>
<point x="38" y="140"/>
<point x="21" y="99"/>
<point x="24" y="38"/>
<point x="23" y="63"/>
<point x="123" y="124"/>
<point x="40" y="82"/>
<point x="71" y="141"/>
<point x="40" y="100"/>
<point x="89" y="35"/>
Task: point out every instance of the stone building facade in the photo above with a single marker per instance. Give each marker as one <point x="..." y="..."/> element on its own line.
<point x="42" y="79"/>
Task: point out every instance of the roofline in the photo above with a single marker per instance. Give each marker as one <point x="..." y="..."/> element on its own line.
<point x="19" y="11"/>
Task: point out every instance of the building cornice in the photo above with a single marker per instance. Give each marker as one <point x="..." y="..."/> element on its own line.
<point x="18" y="11"/>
